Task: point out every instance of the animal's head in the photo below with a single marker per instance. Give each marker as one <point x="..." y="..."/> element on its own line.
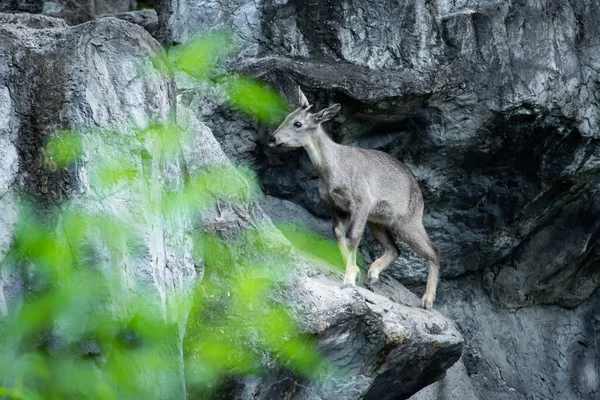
<point x="297" y="127"/>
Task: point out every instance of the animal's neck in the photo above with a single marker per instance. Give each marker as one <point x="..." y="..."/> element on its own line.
<point x="321" y="150"/>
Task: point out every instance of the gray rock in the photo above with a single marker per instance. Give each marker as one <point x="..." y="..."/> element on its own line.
<point x="30" y="6"/>
<point x="180" y="20"/>
<point x="36" y="21"/>
<point x="87" y="78"/>
<point x="455" y="385"/>
<point x="280" y="210"/>
<point x="379" y="349"/>
<point x="72" y="11"/>
<point x="237" y="132"/>
<point x="147" y="19"/>
<point x="533" y="352"/>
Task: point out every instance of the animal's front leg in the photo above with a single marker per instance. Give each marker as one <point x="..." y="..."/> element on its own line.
<point x="356" y="228"/>
<point x="340" y="220"/>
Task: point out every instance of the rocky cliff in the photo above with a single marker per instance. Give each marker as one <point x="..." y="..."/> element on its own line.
<point x="95" y="79"/>
<point x="495" y="107"/>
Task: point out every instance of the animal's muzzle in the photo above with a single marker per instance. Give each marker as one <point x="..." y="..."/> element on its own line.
<point x="273" y="142"/>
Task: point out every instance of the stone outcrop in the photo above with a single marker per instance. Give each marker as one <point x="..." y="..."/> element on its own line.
<point x="381" y="346"/>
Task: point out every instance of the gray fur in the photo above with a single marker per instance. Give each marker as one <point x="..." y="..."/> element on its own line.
<point x="363" y="187"/>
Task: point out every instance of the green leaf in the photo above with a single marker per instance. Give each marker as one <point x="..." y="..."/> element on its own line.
<point x="257" y="99"/>
<point x="64" y="148"/>
<point x="199" y="56"/>
<point x="313" y="244"/>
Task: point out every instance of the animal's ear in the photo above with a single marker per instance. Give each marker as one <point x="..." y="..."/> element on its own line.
<point x="326" y="114"/>
<point x="302" y="99"/>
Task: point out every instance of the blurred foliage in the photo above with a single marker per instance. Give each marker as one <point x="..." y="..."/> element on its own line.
<point x="64" y="149"/>
<point x="199" y="57"/>
<point x="236" y="315"/>
<point x="202" y="59"/>
<point x="83" y="329"/>
<point x="317" y="247"/>
<point x="255" y="98"/>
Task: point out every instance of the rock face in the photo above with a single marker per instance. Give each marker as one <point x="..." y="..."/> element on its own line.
<point x="30" y="6"/>
<point x="95" y="78"/>
<point x="147" y="19"/>
<point x="86" y="78"/>
<point x="533" y="352"/>
<point x="495" y="105"/>
<point x="72" y="11"/>
<point x="181" y="19"/>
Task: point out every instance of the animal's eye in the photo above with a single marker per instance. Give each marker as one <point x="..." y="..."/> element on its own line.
<point x="297" y="124"/>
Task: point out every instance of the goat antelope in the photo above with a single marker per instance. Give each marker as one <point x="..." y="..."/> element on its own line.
<point x="363" y="187"/>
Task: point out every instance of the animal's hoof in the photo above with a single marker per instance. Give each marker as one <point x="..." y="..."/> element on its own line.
<point x="373" y="280"/>
<point x="348" y="286"/>
<point x="426" y="303"/>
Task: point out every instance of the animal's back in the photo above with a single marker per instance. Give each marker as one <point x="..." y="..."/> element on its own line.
<point x="391" y="185"/>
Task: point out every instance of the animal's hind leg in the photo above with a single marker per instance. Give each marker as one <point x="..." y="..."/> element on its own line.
<point x="416" y="237"/>
<point x="385" y="238"/>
